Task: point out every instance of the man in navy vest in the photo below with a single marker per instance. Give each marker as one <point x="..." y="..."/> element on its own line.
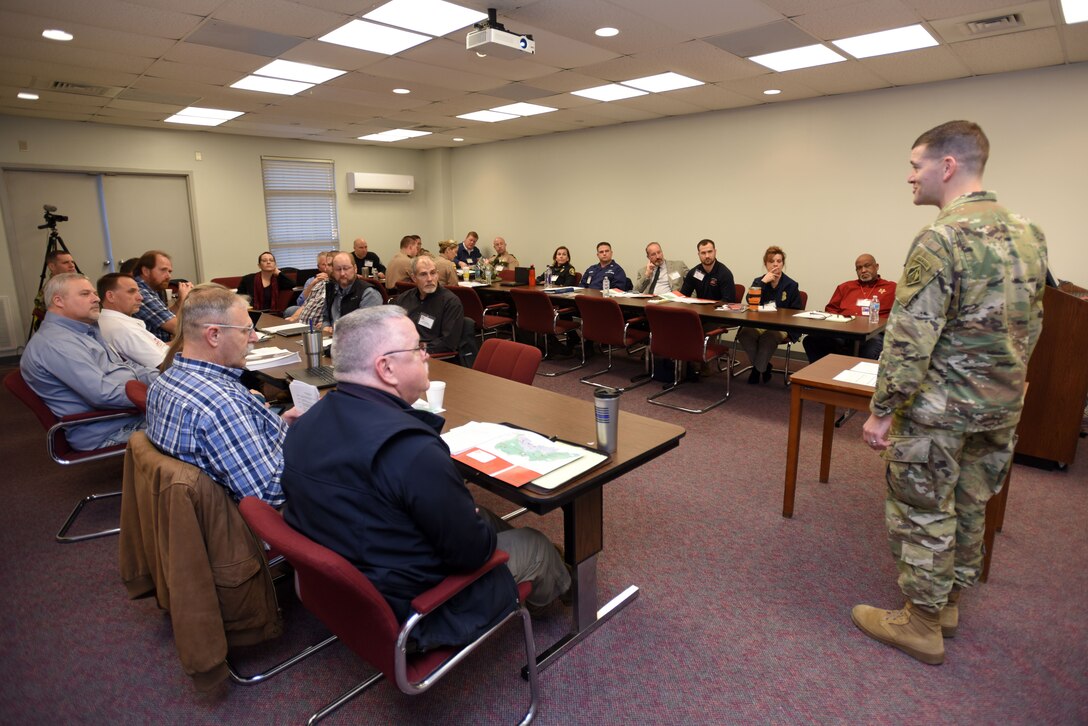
<point x="385" y="494"/>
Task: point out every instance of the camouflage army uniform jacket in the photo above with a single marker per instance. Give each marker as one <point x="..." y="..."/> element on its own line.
<point x="968" y="311"/>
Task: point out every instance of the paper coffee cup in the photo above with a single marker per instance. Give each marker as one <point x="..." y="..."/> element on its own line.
<point x="436" y="392"/>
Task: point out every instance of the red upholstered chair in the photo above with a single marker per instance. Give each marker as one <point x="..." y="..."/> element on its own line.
<point x="506" y="275"/>
<point x="677" y="333"/>
<point x="739" y="292"/>
<point x="402" y="285"/>
<point x="507" y="359"/>
<point x="474" y="308"/>
<point x="785" y="371"/>
<point x="352" y="608"/>
<point x="228" y="282"/>
<point x="537" y="316"/>
<point x="60" y="451"/>
<point x="603" y="322"/>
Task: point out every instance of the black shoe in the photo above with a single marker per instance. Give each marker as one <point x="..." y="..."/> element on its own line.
<point x="753" y="377"/>
<point x="767" y="374"/>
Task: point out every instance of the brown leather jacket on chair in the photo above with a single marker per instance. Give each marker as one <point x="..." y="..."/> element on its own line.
<point x="183" y="538"/>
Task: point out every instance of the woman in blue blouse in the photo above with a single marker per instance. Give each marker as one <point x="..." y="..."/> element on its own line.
<point x="777" y="287"/>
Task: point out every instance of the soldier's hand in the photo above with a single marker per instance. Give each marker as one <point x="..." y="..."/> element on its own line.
<point x="875" y="432"/>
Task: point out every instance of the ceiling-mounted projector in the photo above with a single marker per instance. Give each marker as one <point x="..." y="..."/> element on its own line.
<point x="489" y="37"/>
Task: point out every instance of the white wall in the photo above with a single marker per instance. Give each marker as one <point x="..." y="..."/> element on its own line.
<point x="825" y="179"/>
<point x="227" y="191"/>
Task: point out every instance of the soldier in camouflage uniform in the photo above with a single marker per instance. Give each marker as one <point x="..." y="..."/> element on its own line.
<point x="968" y="311"/>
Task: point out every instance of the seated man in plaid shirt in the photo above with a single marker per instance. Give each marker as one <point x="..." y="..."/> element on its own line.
<point x="198" y="411"/>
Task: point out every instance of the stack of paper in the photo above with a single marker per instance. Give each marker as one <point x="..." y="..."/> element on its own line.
<point x="262" y="358"/>
<point x="287" y="329"/>
<point x="673" y="296"/>
<point x="863" y="374"/>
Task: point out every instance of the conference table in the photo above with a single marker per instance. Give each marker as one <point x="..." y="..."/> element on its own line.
<point x="856" y="331"/>
<point x="816" y="382"/>
<point x="476" y="396"/>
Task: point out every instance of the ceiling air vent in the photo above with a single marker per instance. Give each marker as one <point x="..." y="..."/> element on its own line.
<point x="84" y="89"/>
<point x="1002" y="23"/>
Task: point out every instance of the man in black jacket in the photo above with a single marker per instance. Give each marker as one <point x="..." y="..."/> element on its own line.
<point x="438" y="313"/>
<point x="345" y="292"/>
<point x="386" y="495"/>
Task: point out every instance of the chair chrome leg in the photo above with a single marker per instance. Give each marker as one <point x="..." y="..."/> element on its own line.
<point x="677" y="382"/>
<point x="639" y="380"/>
<point x="339" y="702"/>
<point x="279" y="667"/>
<point x="514" y="514"/>
<point x="62" y="534"/>
<point x="565" y="370"/>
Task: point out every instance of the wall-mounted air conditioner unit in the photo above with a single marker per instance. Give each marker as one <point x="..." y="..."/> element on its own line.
<point x="361" y="182"/>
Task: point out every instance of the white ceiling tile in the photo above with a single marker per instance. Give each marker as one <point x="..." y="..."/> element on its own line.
<point x="865" y="17"/>
<point x="450" y="54"/>
<point x="1075" y="38"/>
<point x="577" y="19"/>
<point x="918" y="66"/>
<point x="280" y="16"/>
<point x="699" y="20"/>
<point x="848" y="77"/>
<point x="114" y="14"/>
<point x="209" y="75"/>
<point x="1019" y="51"/>
<point x="426" y="73"/>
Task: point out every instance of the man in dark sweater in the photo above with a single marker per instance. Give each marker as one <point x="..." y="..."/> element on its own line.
<point x="436" y="312"/>
<point x="386" y="495"/>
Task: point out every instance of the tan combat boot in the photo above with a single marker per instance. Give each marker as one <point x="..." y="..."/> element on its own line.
<point x="950" y="614"/>
<point x="912" y="630"/>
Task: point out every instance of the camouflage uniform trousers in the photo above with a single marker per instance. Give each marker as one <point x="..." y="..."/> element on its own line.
<point x="938" y="484"/>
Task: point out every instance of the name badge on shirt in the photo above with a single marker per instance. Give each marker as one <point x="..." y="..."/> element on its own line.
<point x="368" y="263"/>
<point x="426" y="321"/>
<point x="674" y="275"/>
<point x="699" y="275"/>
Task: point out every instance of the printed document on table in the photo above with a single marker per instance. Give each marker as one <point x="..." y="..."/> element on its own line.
<point x="512" y="455"/>
<point x="862" y="374"/>
<point x="262" y="358"/>
<point x="673" y="296"/>
<point x="829" y="317"/>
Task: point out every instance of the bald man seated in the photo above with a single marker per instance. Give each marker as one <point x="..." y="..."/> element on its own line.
<point x="848" y="300"/>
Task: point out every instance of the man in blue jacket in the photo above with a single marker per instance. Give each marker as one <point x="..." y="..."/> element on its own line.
<point x="385" y="494"/>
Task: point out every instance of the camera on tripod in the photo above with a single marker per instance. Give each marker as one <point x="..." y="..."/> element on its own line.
<point x="51" y="219"/>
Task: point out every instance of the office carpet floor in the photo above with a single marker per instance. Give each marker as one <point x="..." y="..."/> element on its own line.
<point x="742" y="617"/>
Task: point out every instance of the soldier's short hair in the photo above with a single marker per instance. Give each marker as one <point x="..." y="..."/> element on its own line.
<point x="963" y="140"/>
<point x="710" y="242"/>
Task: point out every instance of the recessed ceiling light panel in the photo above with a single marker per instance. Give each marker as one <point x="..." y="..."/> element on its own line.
<point x="27" y="95"/>
<point x="488" y="116"/>
<point x="609" y="92"/>
<point x="198" y="116"/>
<point x="897" y="40"/>
<point x="806" y="57"/>
<point x="303" y="72"/>
<point x="524" y="109"/>
<point x="271" y="85"/>
<point x="1075" y="11"/>
<point x="373" y="37"/>
<point x="394" y="135"/>
<point x="663" y="82"/>
<point x="434" y="17"/>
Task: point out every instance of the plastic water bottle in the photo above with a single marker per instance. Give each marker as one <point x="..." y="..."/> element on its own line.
<point x="606" y="284"/>
<point x="548" y="276"/>
<point x="874" y="311"/>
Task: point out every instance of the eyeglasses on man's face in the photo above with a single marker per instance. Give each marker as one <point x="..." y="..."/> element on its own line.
<point x="247" y="329"/>
<point x="421" y="348"/>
